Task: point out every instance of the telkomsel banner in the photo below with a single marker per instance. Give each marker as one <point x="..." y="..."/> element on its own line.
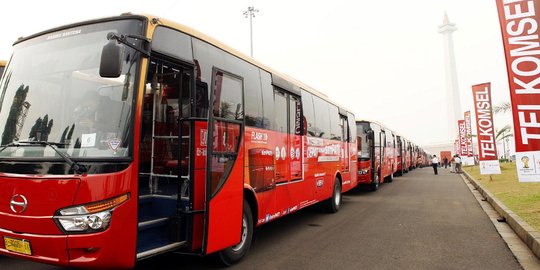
<point x="487" y="147"/>
<point x="468" y="158"/>
<point x="462" y="140"/>
<point x="468" y="133"/>
<point x="520" y="32"/>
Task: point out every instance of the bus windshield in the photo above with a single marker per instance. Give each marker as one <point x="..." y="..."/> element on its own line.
<point x="363" y="142"/>
<point x="52" y="92"/>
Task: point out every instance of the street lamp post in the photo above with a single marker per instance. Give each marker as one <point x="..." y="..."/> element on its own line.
<point x="251" y="13"/>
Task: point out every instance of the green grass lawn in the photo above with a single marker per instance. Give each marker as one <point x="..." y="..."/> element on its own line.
<point x="522" y="198"/>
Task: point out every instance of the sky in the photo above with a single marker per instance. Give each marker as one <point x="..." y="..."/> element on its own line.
<point x="382" y="60"/>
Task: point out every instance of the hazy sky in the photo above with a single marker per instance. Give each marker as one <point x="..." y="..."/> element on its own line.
<point x="381" y="59"/>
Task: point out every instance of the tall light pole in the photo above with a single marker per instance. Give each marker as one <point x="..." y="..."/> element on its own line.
<point x="251" y="13"/>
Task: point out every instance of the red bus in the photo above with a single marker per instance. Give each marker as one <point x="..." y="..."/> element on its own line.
<point x="402" y="156"/>
<point x="156" y="138"/>
<point x="2" y="66"/>
<point x="376" y="154"/>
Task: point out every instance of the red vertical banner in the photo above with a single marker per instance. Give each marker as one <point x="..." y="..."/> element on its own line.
<point x="468" y="133"/>
<point x="468" y="158"/>
<point x="520" y="33"/>
<point x="462" y="140"/>
<point x="487" y="146"/>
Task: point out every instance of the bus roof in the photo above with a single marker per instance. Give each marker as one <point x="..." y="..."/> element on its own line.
<point x="199" y="35"/>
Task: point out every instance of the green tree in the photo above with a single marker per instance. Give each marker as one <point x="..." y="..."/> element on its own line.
<point x="502" y="135"/>
<point x="502" y="108"/>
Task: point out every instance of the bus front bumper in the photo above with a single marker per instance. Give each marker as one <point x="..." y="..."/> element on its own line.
<point x="50" y="249"/>
<point x="91" y="251"/>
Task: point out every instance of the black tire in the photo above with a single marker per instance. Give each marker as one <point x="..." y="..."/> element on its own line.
<point x="375" y="185"/>
<point x="390" y="178"/>
<point x="333" y="204"/>
<point x="234" y="254"/>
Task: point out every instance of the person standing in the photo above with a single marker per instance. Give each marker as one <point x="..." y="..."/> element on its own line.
<point x="445" y="162"/>
<point x="435" y="163"/>
<point x="457" y="160"/>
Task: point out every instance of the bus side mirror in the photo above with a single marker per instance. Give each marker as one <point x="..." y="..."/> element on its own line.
<point x="370" y="134"/>
<point x="111" y="60"/>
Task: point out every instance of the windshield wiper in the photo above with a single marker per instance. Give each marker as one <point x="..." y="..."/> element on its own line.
<point x="78" y="168"/>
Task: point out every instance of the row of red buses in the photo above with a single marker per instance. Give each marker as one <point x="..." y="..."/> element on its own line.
<point x="156" y="138"/>
<point x="383" y="154"/>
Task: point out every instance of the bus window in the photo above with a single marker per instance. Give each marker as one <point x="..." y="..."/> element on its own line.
<point x="322" y="115"/>
<point x="254" y="106"/>
<point x="309" y="114"/>
<point x="280" y="117"/>
<point x="352" y="129"/>
<point x="335" y="127"/>
<point x="227" y="104"/>
<point x="363" y="141"/>
<point x="268" y="100"/>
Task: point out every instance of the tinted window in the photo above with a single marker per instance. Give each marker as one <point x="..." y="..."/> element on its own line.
<point x="207" y="57"/>
<point x="280" y="118"/>
<point x="254" y="104"/>
<point x="322" y="115"/>
<point x="352" y="130"/>
<point x="335" y="127"/>
<point x="268" y="100"/>
<point x="172" y="43"/>
<point x="227" y="96"/>
<point x="363" y="142"/>
<point x="376" y="134"/>
<point x="309" y="115"/>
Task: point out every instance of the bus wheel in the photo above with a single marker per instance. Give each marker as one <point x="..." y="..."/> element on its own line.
<point x="233" y="254"/>
<point x="333" y="204"/>
<point x="375" y="185"/>
<point x="391" y="178"/>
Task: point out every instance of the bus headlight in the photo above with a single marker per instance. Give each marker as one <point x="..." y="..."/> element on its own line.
<point x="363" y="171"/>
<point x="97" y="222"/>
<point x="88" y="218"/>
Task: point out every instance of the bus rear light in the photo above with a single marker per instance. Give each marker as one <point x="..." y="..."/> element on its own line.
<point x="88" y="218"/>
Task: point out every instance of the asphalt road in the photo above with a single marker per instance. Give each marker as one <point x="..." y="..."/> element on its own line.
<point x="420" y="221"/>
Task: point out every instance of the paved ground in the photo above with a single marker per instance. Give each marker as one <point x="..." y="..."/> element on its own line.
<point x="420" y="221"/>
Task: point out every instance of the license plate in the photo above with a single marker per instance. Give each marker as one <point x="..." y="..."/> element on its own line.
<point x="18" y="245"/>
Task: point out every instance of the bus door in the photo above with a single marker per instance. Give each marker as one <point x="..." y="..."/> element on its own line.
<point x="288" y="139"/>
<point x="345" y="154"/>
<point x="383" y="157"/>
<point x="281" y="137"/>
<point x="163" y="161"/>
<point x="375" y="153"/>
<point x="224" y="163"/>
<point x="295" y="138"/>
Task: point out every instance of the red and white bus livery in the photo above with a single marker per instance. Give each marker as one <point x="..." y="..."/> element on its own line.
<point x="154" y="138"/>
